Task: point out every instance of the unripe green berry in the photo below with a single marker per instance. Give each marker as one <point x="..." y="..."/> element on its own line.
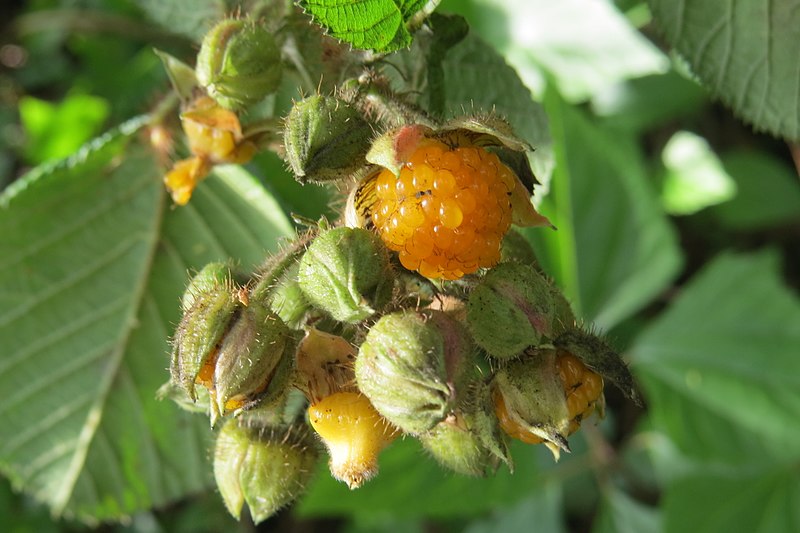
<point x="239" y="63"/>
<point x="515" y="247"/>
<point x="268" y="466"/>
<point x="411" y="366"/>
<point x="510" y="310"/>
<point x="345" y="272"/>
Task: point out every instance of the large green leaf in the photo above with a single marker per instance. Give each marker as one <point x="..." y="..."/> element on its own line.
<point x="93" y="262"/>
<point x="583" y="47"/>
<point x="380" y="25"/>
<point x="191" y="19"/>
<point x="614" y="250"/>
<point x="733" y="504"/>
<point x="542" y="507"/>
<point x="720" y="367"/>
<point x="411" y="485"/>
<point x="746" y="52"/>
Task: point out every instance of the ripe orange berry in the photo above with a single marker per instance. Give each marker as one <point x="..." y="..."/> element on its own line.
<point x="447" y="211"/>
<point x="582" y="390"/>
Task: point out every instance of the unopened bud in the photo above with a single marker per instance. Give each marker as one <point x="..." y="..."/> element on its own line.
<point x="239" y="63"/>
<point x="510" y="310"/>
<point x="209" y="304"/>
<point x="411" y="365"/>
<point x="325" y="139"/>
<point x="255" y="360"/>
<point x="268" y="466"/>
<point x="346" y="273"/>
<point x="530" y="402"/>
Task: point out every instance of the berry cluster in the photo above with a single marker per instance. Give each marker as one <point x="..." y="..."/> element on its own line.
<point x="447" y="211"/>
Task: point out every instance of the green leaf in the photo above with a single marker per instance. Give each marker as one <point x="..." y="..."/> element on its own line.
<point x="744" y="503"/>
<point x="190" y="19"/>
<point x="411" y="485"/>
<point x="720" y="367"/>
<point x="695" y="178"/>
<point x="745" y="52"/>
<point x="467" y="67"/>
<point x="768" y="192"/>
<point x="648" y="102"/>
<point x="380" y="25"/>
<point x="54" y="131"/>
<point x="94" y="261"/>
<point x="614" y="250"/>
<point x="619" y="513"/>
<point x="582" y="46"/>
<point x="542" y="507"/>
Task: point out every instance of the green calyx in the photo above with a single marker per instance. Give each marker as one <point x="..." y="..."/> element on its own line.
<point x="410" y="366"/>
<point x="263" y="464"/>
<point x="469" y="441"/>
<point x="325" y="139"/>
<point x="510" y="310"/>
<point x="345" y="272"/>
<point x="209" y="303"/>
<point x="239" y="63"/>
<point x="534" y="399"/>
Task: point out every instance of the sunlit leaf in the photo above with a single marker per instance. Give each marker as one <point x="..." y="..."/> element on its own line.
<point x="380" y="25"/>
<point x="94" y="260"/>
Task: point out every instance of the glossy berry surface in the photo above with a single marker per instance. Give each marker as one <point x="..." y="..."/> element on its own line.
<point x="354" y="434"/>
<point x="582" y="390"/>
<point x="447" y="211"/>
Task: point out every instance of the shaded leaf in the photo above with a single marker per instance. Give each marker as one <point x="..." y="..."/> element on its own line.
<point x="745" y="52"/>
<point x="619" y="513"/>
<point x="745" y="503"/>
<point x="93" y="264"/>
<point x="721" y="365"/>
<point x="768" y="192"/>
<point x="614" y="250"/>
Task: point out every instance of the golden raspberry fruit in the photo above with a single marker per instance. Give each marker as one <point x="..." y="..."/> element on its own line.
<point x="354" y="434"/>
<point x="583" y="390"/>
<point x="447" y="211"/>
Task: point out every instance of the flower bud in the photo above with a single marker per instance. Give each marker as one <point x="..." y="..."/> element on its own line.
<point x="530" y="402"/>
<point x="469" y="441"/>
<point x="239" y="63"/>
<point x="254" y="362"/>
<point x="266" y="465"/>
<point x="510" y="309"/>
<point x="209" y="304"/>
<point x="354" y="434"/>
<point x="325" y="139"/>
<point x="346" y="273"/>
<point x="411" y="365"/>
<point x="599" y="357"/>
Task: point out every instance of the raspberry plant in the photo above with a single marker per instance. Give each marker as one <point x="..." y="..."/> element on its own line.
<point x="373" y="310"/>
